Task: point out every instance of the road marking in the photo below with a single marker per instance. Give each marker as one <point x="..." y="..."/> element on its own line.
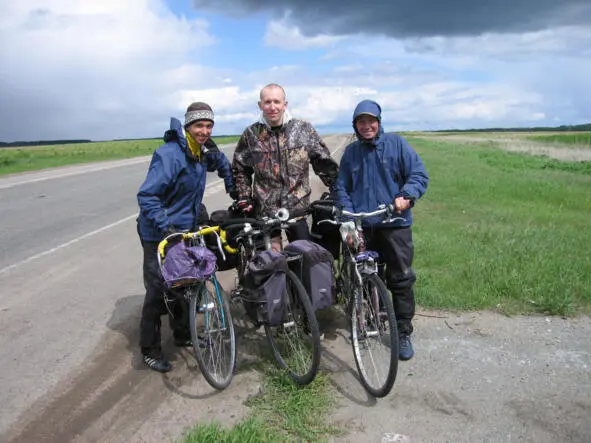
<point x="210" y="187"/>
<point x="63" y="245"/>
<point x="89" y="234"/>
<point x="49" y="175"/>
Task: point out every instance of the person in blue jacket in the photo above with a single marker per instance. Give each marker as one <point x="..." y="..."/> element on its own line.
<point x="170" y="200"/>
<point x="377" y="169"/>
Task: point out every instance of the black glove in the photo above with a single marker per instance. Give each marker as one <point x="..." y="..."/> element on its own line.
<point x="170" y="230"/>
<point x="234" y="194"/>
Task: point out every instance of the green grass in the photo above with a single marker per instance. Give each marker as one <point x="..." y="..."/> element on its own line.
<point x="40" y="157"/>
<point x="503" y="231"/>
<point x="282" y="412"/>
<point x="581" y="138"/>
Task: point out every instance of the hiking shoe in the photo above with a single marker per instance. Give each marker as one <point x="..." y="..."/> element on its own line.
<point x="405" y="350"/>
<point x="159" y="364"/>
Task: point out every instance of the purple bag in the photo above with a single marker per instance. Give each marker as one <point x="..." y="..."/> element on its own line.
<point x="184" y="264"/>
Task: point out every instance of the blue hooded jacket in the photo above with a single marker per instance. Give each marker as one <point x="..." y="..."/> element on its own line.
<point x="377" y="171"/>
<point x="175" y="184"/>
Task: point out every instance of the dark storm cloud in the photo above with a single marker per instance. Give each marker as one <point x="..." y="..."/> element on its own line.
<point x="414" y="18"/>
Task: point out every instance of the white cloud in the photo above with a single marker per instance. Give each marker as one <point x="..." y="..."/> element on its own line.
<point x="77" y="63"/>
<point x="282" y="35"/>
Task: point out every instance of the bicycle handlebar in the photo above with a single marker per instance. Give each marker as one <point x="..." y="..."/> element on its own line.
<point x="219" y="231"/>
<point x="338" y="213"/>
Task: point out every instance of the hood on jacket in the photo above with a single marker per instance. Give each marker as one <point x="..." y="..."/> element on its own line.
<point x="176" y="133"/>
<point x="368" y="107"/>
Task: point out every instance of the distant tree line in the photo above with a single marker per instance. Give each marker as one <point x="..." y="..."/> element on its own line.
<point x="41" y="142"/>
<point x="564" y="128"/>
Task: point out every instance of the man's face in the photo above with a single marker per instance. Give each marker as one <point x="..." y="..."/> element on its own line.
<point x="200" y="130"/>
<point x="273" y="105"/>
<point x="367" y="126"/>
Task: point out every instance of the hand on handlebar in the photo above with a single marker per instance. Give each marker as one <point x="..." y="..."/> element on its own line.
<point x="171" y="230"/>
<point x="401" y="204"/>
<point x="244" y="206"/>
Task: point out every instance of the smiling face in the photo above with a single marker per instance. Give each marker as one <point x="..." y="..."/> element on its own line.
<point x="273" y="105"/>
<point x="367" y="126"/>
<point x="200" y="130"/>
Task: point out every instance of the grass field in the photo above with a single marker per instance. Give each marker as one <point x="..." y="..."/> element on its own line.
<point x="579" y="138"/>
<point x="503" y="231"/>
<point x="33" y="158"/>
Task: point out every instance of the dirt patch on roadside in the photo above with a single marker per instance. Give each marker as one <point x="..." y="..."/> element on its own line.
<point x="477" y="376"/>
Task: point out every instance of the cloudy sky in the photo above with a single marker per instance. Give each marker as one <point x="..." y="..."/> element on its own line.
<point x="119" y="69"/>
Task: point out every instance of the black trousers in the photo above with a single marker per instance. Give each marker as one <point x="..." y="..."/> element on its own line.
<point x="154" y="307"/>
<point x="396" y="251"/>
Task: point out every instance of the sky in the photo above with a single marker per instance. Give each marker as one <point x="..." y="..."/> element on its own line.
<point x="112" y="69"/>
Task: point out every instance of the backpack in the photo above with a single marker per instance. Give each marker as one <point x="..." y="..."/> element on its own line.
<point x="314" y="270"/>
<point x="264" y="285"/>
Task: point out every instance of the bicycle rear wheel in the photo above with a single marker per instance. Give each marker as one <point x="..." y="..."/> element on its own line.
<point x="296" y="342"/>
<point x="212" y="334"/>
<point x="374" y="336"/>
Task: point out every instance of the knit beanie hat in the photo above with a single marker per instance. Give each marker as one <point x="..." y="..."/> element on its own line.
<point x="198" y="111"/>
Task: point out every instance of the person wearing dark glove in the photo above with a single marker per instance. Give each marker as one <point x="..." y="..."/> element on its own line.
<point x="271" y="163"/>
<point x="170" y="200"/>
<point x="244" y="206"/>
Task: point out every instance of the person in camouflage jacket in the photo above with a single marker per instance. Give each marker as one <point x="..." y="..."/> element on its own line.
<point x="272" y="160"/>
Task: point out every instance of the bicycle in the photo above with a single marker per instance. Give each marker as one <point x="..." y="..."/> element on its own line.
<point x="210" y="320"/>
<point x="295" y="341"/>
<point x="374" y="334"/>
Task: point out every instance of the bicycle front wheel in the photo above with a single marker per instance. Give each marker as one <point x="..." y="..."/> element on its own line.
<point x="374" y="336"/>
<point x="296" y="341"/>
<point x="212" y="334"/>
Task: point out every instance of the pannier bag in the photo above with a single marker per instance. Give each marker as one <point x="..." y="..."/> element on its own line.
<point x="315" y="270"/>
<point x="226" y="261"/>
<point x="264" y="284"/>
<point x="186" y="264"/>
<point x="325" y="234"/>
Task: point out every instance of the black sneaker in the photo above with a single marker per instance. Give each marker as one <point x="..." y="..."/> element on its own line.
<point x="159" y="364"/>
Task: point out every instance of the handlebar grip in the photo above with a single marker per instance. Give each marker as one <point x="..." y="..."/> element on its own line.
<point x="299" y="212"/>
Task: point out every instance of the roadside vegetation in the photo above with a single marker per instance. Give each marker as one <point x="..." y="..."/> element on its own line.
<point x="580" y="138"/>
<point x="281" y="412"/>
<point x="33" y="158"/>
<point x="503" y="231"/>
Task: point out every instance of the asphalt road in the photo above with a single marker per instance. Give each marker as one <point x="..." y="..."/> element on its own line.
<point x="68" y="252"/>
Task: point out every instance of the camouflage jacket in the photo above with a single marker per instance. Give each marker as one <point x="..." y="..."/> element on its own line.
<point x="272" y="166"/>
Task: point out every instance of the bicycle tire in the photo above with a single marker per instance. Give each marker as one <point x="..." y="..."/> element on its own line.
<point x="372" y="331"/>
<point x="212" y="335"/>
<point x="302" y="323"/>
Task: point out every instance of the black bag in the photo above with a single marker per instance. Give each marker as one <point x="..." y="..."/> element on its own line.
<point x="315" y="270"/>
<point x="325" y="234"/>
<point x="264" y="283"/>
<point x="230" y="261"/>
